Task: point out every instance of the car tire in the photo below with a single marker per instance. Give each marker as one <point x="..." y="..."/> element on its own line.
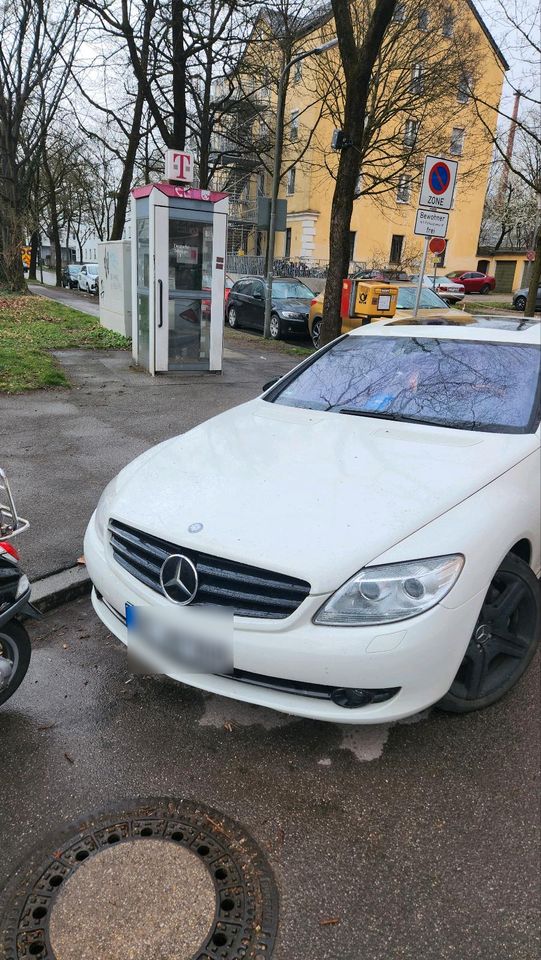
<point x="315" y="332"/>
<point x="276" y="327"/>
<point x="15" y="640"/>
<point x="485" y="288"/>
<point x="232" y="318"/>
<point x="503" y="642"/>
<point x="520" y="303"/>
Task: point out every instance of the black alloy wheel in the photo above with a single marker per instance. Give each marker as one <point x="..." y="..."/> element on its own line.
<point x="520" y="303"/>
<point x="503" y="642"/>
<point x="232" y="318"/>
<point x="485" y="288"/>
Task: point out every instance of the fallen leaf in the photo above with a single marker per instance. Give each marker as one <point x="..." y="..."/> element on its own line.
<point x="68" y="758"/>
<point x="228" y="726"/>
<point x="329" y="921"/>
<point x="81" y="560"/>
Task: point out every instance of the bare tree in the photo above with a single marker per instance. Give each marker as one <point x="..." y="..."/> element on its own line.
<point x="39" y="42"/>
<point x="359" y="51"/>
<point x="522" y="26"/>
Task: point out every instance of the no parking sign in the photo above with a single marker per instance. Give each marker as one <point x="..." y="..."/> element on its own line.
<point x="438" y="185"/>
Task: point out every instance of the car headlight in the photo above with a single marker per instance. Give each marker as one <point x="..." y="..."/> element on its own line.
<point x="292" y="314"/>
<point x="395" y="591"/>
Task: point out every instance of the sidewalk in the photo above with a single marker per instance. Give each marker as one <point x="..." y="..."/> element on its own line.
<point x="60" y="448"/>
<point x="71" y="298"/>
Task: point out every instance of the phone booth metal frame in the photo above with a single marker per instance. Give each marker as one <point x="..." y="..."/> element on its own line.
<point x="179" y="236"/>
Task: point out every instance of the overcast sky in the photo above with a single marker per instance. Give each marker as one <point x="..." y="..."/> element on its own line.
<point x="525" y="67"/>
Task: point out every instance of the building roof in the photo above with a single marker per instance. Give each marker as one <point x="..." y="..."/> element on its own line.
<point x="323" y="12"/>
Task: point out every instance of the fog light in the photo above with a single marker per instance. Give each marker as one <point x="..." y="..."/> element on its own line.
<point x="351" y="697"/>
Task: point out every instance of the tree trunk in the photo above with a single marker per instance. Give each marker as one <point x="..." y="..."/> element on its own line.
<point x="178" y="138"/>
<point x="123" y="195"/>
<point x="535" y="278"/>
<point x="357" y="64"/>
<point x="34" y="247"/>
<point x="11" y="233"/>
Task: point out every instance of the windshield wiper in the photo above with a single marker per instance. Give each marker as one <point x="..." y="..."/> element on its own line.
<point x="380" y="414"/>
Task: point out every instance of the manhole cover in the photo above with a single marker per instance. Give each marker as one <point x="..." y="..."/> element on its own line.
<point x="161" y="879"/>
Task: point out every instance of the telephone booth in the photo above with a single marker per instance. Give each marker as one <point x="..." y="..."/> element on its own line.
<point x="178" y="276"/>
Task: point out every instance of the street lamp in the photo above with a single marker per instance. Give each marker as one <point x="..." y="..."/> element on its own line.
<point x="277" y="170"/>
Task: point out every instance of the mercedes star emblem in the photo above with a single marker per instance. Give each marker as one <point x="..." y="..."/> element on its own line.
<point x="179" y="579"/>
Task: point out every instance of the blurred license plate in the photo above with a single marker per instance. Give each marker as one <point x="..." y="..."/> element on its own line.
<point x="198" y="639"/>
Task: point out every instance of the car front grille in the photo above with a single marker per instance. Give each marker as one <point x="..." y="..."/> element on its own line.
<point x="251" y="591"/>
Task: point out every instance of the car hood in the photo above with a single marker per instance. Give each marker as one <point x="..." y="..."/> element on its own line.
<point x="293" y="303"/>
<point x="309" y="494"/>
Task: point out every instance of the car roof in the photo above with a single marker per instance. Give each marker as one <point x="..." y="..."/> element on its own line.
<point x="497" y="329"/>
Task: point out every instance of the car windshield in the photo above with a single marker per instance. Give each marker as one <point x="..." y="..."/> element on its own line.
<point x="93" y="271"/>
<point x="429" y="300"/>
<point x="288" y="289"/>
<point x="466" y="384"/>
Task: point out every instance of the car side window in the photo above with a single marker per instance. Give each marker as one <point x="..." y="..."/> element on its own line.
<point x="243" y="287"/>
<point x="257" y="289"/>
<point x="83" y="270"/>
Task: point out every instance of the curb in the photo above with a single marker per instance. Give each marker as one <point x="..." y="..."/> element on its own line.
<point x="69" y="584"/>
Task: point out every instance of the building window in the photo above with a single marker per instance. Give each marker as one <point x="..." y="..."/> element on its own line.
<point x="294" y="125"/>
<point x="410" y="132"/>
<point x="457" y="141"/>
<point x="403" y="192"/>
<point x="416" y="83"/>
<point x="291" y="181"/>
<point x="352" y="235"/>
<point x="261" y="184"/>
<point x="464" y="90"/>
<point x="396" y="248"/>
<point x="399" y="14"/>
<point x="448" y="24"/>
<point x="297" y="73"/>
<point x="287" y="251"/>
<point x="423" y="19"/>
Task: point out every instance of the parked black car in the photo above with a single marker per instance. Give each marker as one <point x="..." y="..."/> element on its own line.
<point x="70" y="275"/>
<point x="291" y="301"/>
<point x="520" y="297"/>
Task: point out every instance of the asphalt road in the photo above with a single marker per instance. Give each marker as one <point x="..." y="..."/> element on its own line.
<point x="419" y="841"/>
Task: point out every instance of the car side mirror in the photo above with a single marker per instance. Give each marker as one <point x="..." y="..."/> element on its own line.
<point x="270" y="383"/>
<point x="258" y="295"/>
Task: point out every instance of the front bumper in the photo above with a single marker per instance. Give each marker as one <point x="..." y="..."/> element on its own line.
<point x="420" y="656"/>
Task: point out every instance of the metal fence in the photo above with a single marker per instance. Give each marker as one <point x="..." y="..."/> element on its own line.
<point x="283" y="266"/>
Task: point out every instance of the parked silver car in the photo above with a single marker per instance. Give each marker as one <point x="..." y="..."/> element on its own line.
<point x="520" y="297"/>
<point x="447" y="289"/>
<point x="89" y="278"/>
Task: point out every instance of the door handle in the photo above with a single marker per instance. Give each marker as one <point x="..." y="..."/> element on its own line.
<point x="160" y="285"/>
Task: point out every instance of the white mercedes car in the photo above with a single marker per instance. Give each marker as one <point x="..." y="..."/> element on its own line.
<point x="359" y="542"/>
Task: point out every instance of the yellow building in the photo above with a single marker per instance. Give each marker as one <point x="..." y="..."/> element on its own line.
<point x="438" y="59"/>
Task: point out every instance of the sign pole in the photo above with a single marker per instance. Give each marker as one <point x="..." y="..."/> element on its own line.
<point x="421" y="277"/>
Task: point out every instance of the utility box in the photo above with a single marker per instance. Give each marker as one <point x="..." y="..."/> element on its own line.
<point x="115" y="285"/>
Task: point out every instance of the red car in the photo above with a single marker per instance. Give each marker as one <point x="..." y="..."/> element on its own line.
<point x="473" y="282"/>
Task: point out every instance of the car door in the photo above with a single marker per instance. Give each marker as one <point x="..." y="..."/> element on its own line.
<point x="257" y="305"/>
<point x="239" y="298"/>
<point x="477" y="281"/>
